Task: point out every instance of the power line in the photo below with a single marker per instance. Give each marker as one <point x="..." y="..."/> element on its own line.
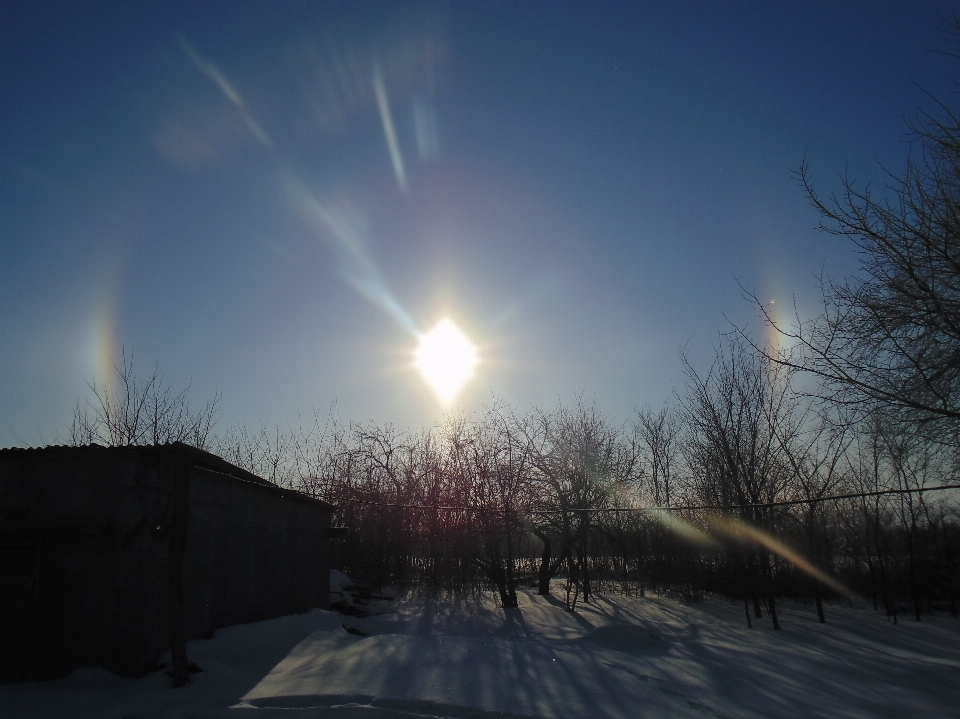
<point x="815" y="500"/>
<point x="691" y="507"/>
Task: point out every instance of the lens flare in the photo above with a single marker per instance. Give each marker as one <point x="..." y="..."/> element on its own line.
<point x="683" y="528"/>
<point x="344" y="232"/>
<point x="227" y="88"/>
<point x="739" y="529"/>
<point x="389" y="131"/>
<point x="446" y="358"/>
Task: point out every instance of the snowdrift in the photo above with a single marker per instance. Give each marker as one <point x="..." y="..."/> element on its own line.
<point x="617" y="658"/>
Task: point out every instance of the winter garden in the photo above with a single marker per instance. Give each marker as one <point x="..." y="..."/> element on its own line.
<point x="781" y="539"/>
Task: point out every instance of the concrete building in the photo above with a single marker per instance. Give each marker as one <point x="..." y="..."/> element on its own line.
<point x="111" y="556"/>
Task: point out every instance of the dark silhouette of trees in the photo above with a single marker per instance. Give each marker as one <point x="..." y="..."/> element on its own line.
<point x="813" y="449"/>
<point x="658" y="450"/>
<point x="885" y="351"/>
<point x="141" y="412"/>
<point x="890" y="336"/>
<point x="580" y="459"/>
<point x="498" y="500"/>
<point x="266" y="452"/>
<point x="731" y="493"/>
<point x="738" y="418"/>
<point x="492" y="466"/>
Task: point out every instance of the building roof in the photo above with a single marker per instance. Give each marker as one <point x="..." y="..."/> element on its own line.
<point x="196" y="457"/>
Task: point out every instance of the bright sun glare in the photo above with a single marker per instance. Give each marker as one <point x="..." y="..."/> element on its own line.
<point x="446" y="359"/>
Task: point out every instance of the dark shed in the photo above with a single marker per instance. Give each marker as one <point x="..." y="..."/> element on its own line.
<point x="111" y="556"/>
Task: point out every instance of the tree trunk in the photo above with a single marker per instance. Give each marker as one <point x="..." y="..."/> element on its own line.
<point x="508" y="597"/>
<point x="573" y="583"/>
<point x="585" y="573"/>
<point x="815" y="556"/>
<point x="915" y="594"/>
<point x="511" y="574"/>
<point x="544" y="575"/>
<point x="772" y="589"/>
<point x="773" y="613"/>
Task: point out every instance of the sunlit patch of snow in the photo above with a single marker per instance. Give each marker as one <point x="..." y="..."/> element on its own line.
<point x="617" y="658"/>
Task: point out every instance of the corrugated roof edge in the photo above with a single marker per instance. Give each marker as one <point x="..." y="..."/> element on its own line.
<point x="198" y="457"/>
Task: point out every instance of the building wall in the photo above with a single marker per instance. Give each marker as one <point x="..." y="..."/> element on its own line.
<point x="250" y="554"/>
<point x="88" y="555"/>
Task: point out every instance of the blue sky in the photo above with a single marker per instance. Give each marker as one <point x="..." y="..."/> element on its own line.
<point x="213" y="188"/>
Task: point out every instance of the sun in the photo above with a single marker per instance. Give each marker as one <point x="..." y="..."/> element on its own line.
<point x="446" y="358"/>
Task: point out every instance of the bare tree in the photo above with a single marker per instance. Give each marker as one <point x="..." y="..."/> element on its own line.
<point x="658" y="450"/>
<point x="657" y="435"/>
<point x="814" y="448"/>
<point x="578" y="456"/>
<point x="736" y="418"/>
<point x="914" y="465"/>
<point x="269" y="452"/>
<point x="891" y="335"/>
<point x="141" y="413"/>
<point x="866" y="518"/>
<point x="493" y="463"/>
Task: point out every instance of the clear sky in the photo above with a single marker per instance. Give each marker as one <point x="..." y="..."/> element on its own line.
<point x="275" y="199"/>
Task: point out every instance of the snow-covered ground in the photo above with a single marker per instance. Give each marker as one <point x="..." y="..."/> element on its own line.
<point x="618" y="657"/>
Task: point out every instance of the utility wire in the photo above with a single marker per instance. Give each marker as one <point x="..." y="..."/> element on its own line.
<point x="692" y="507"/>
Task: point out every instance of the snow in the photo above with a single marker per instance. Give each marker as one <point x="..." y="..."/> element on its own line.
<point x="618" y="657"/>
<point x="353" y="599"/>
<point x="338" y="582"/>
<point x="338" y="588"/>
